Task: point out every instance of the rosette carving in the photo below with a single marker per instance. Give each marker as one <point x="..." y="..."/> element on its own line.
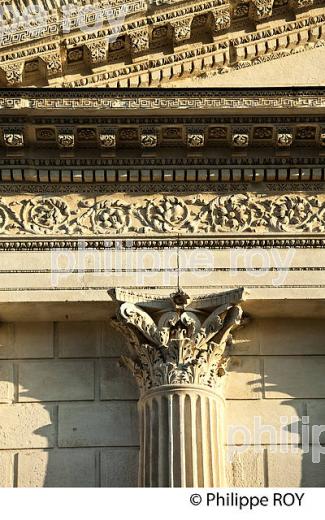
<point x="13" y="138"/>
<point x="106" y="217"/>
<point x="230" y="213"/>
<point x="181" y="344"/>
<point x="107" y="139"/>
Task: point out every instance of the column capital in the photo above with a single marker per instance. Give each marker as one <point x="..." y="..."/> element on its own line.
<point x="178" y="340"/>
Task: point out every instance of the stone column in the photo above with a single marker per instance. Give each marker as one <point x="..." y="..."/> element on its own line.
<point x="181" y="428"/>
<point x="179" y="349"/>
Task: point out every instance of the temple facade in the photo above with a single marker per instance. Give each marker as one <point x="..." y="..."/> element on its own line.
<point x="161" y="291"/>
<point x="161" y="249"/>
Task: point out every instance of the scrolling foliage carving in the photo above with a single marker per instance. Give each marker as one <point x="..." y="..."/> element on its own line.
<point x="208" y="214"/>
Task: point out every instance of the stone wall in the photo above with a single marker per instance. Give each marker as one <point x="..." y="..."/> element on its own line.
<point x="277" y="372"/>
<point x="65" y="418"/>
<point x="68" y="411"/>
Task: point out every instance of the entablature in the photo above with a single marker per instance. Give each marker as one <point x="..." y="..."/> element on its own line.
<point x="131" y="136"/>
<point x="162" y="124"/>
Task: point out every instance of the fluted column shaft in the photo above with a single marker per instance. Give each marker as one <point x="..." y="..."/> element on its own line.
<point x="181" y="437"/>
<point x="179" y="350"/>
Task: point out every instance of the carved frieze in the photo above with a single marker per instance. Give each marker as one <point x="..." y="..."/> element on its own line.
<point x="164" y="214"/>
<point x="148" y="99"/>
<point x="43" y="216"/>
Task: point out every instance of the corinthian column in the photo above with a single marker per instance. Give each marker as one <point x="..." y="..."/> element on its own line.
<point x="179" y="349"/>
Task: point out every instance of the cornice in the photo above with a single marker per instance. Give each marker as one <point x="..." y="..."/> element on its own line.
<point x="152" y="124"/>
<point x="142" y="43"/>
<point x="146" y="140"/>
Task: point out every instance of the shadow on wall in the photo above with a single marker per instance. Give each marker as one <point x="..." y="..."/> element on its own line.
<point x="64" y="420"/>
<point x="87" y="406"/>
<point x="276" y="400"/>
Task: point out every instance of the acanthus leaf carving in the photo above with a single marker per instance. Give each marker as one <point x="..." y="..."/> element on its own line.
<point x="53" y="64"/>
<point x="139" y="40"/>
<point x="7" y="217"/>
<point x="244" y="214"/>
<point x="12" y="73"/>
<point x="182" y="345"/>
<point x="260" y="9"/>
<point x="96" y="52"/>
<point x="220" y="20"/>
<point x="182" y="29"/>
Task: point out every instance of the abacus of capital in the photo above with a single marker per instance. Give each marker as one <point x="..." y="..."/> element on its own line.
<point x="179" y="350"/>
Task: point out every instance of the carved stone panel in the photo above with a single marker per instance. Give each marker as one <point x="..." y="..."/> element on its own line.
<point x="161" y="214"/>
